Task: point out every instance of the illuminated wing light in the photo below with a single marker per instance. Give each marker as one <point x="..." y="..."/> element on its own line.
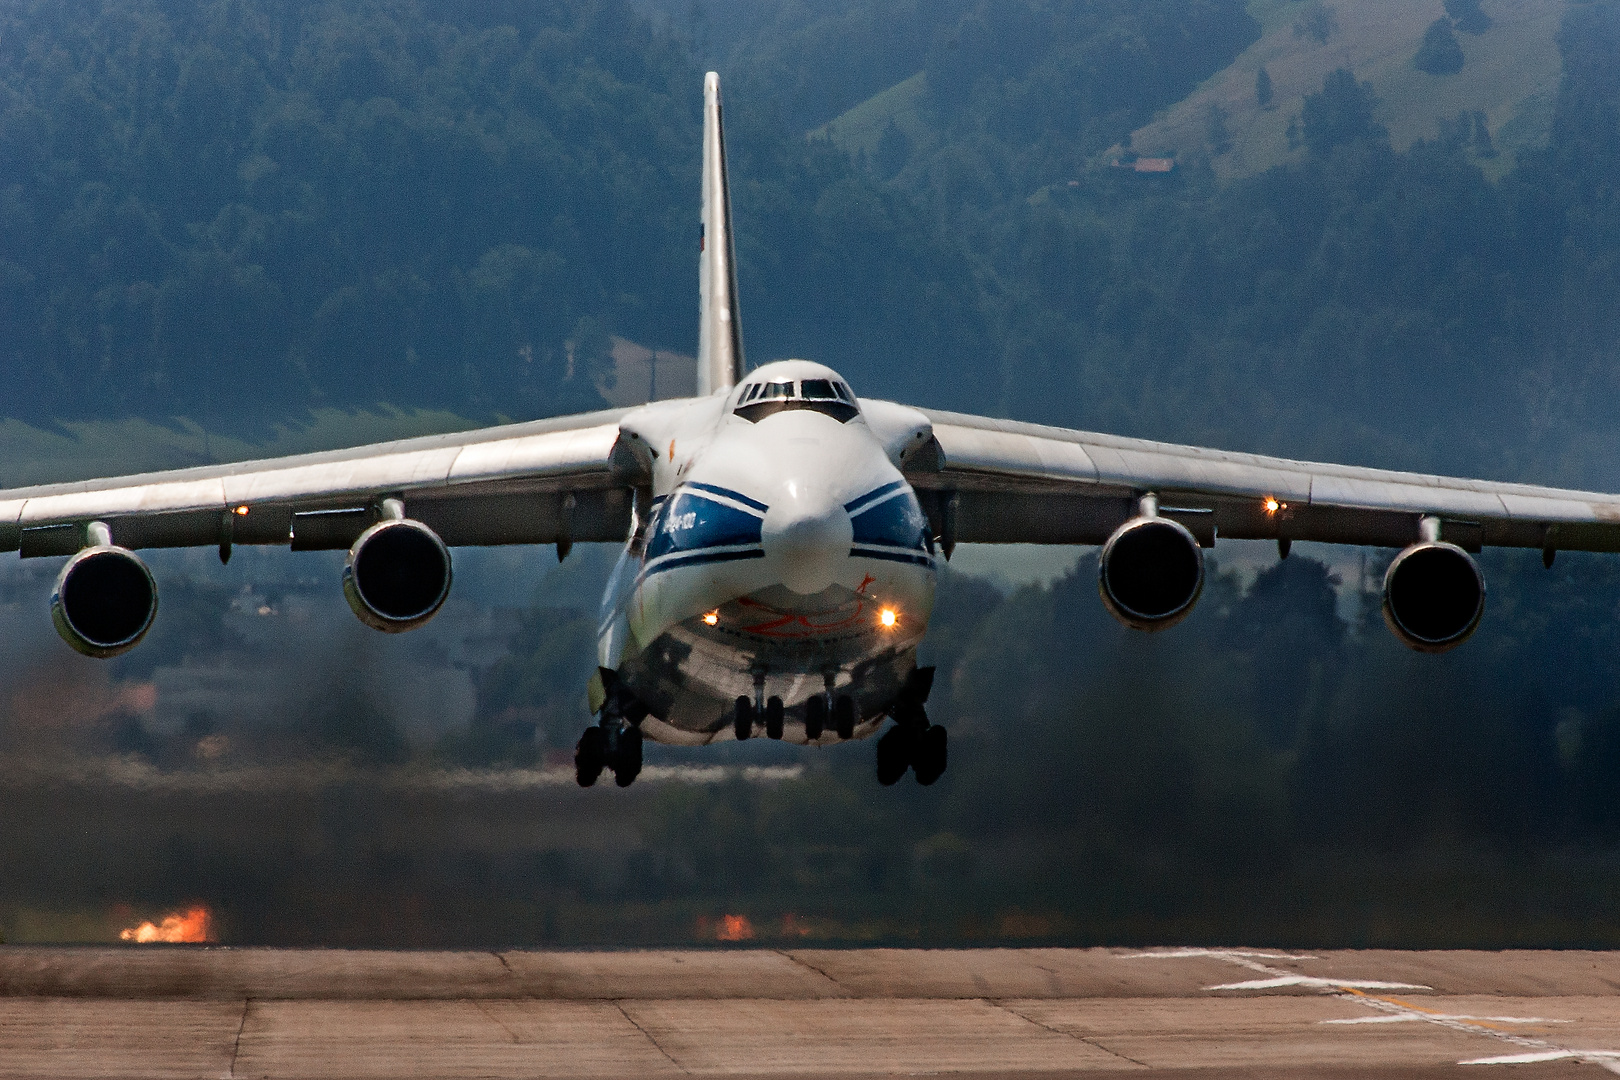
<point x="888" y="618"/>
<point x="711" y="618"/>
<point x="241" y="511"/>
<point x="1272" y="505"/>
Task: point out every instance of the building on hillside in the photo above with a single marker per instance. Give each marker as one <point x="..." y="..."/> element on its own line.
<point x="1146" y="164"/>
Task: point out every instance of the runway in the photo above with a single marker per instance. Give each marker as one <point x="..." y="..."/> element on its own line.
<point x="145" y="1011"/>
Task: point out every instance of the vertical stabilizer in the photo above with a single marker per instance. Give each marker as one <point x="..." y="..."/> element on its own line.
<point x="720" y="351"/>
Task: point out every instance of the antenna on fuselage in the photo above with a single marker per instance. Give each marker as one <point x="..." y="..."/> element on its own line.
<point x="720" y="350"/>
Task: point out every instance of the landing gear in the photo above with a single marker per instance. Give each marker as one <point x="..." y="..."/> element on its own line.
<point x="590" y="755"/>
<point x="922" y="750"/>
<point x="844" y="716"/>
<point x="627" y="758"/>
<point x="744" y="722"/>
<point x="929" y="755"/>
<point x="614" y="742"/>
<point x="913" y="743"/>
<point x="601" y="748"/>
<point x="773" y="718"/>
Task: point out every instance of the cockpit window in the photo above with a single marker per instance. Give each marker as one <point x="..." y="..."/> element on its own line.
<point x="827" y="396"/>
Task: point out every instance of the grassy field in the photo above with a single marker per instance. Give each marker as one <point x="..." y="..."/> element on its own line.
<point x="1511" y="73"/>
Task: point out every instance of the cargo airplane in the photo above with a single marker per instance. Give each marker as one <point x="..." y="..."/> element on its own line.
<point x="781" y="533"/>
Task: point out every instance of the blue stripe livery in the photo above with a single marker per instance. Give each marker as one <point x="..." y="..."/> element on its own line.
<point x="727" y="493"/>
<point x="889" y="517"/>
<point x="693" y="526"/>
<point x="855" y="506"/>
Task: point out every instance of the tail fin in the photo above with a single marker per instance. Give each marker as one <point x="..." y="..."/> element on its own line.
<point x="720" y="351"/>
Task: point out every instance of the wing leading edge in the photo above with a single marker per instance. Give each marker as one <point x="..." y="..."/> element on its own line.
<point x="549" y="481"/>
<point x="1001" y="481"/>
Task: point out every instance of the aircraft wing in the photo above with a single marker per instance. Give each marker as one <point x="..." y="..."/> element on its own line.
<point x="1000" y="481"/>
<point x="548" y="481"/>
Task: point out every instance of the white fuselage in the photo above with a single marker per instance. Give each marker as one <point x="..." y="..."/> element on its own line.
<point x="781" y="554"/>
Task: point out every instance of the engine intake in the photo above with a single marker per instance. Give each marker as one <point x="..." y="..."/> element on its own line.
<point x="1434" y="596"/>
<point x="1150" y="573"/>
<point x="104" y="601"/>
<point x="397" y="575"/>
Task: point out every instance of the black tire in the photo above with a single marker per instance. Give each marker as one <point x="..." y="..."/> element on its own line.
<point x="815" y="717"/>
<point x="893" y="755"/>
<point x="627" y="759"/>
<point x="744" y="721"/>
<point x="844" y="716"/>
<point x="773" y="718"/>
<point x="590" y="754"/>
<point x="929" y="758"/>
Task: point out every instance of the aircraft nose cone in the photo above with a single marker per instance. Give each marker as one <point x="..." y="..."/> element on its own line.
<point x="808" y="538"/>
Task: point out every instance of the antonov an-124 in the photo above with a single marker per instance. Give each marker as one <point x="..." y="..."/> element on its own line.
<point x="781" y="534"/>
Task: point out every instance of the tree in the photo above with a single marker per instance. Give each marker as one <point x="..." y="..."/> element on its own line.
<point x="1483" y="146"/>
<point x="1215" y="130"/>
<point x="1342" y="113"/>
<point x="1469" y="17"/>
<point x="1439" y="54"/>
<point x="1318" y="22"/>
<point x="891" y="152"/>
<point x="1262" y="88"/>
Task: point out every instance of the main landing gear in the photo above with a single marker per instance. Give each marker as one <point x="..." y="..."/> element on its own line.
<point x="618" y="749"/>
<point x="615" y="741"/>
<point x="913" y="743"/>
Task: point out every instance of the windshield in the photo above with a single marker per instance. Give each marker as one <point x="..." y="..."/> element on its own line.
<point x="830" y="397"/>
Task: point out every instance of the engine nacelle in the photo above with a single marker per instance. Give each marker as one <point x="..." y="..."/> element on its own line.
<point x="397" y="575"/>
<point x="1150" y="573"/>
<point x="104" y="601"/>
<point x="1434" y="596"/>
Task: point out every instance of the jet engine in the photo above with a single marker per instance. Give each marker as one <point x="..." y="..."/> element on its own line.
<point x="1150" y="573"/>
<point x="104" y="600"/>
<point x="397" y="575"/>
<point x="1434" y="595"/>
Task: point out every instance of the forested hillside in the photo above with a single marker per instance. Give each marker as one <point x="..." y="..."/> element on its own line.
<point x="235" y="211"/>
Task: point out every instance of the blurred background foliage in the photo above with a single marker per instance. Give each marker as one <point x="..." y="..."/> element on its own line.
<point x="255" y="226"/>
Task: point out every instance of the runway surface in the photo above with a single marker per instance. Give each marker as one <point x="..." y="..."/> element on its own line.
<point x="145" y="1011"/>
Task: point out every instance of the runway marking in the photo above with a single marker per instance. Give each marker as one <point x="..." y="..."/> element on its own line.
<point x="1447" y="1016"/>
<point x="1276" y="977"/>
<point x="1326" y="985"/>
<point x="1395" y="1010"/>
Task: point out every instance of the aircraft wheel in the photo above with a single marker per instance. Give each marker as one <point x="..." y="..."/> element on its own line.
<point x="815" y="717"/>
<point x="627" y="759"/>
<point x="928" y="760"/>
<point x="844" y="716"/>
<point x="745" y="718"/>
<point x="590" y="754"/>
<point x="893" y="755"/>
<point x="773" y="718"/>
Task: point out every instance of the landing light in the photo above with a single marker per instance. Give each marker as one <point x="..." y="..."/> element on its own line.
<point x="1272" y="505"/>
<point x="240" y="511"/>
<point x="711" y="618"/>
<point x="888" y="618"/>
